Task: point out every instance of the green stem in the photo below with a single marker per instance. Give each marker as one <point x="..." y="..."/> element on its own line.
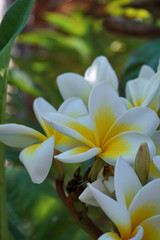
<point x="3" y="209"/>
<point x="96" y="167"/>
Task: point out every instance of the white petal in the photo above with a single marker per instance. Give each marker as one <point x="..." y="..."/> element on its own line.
<point x="109" y="184"/>
<point x="146" y="203"/>
<point x="126" y="185"/>
<point x="134" y="90"/>
<point x="152" y="84"/>
<point x="151" y="228"/>
<point x="137" y="234"/>
<point x="139" y="119"/>
<point x="125" y="144"/>
<point x="146" y="72"/>
<point x="110" y="236"/>
<point x="101" y="70"/>
<point x="78" y="154"/>
<point x="73" y="107"/>
<point x="151" y="99"/>
<point x="156" y="140"/>
<point x="156" y="161"/>
<point x="84" y="120"/>
<point x="41" y="106"/>
<point x="125" y="101"/>
<point x="73" y="85"/>
<point x="64" y="143"/>
<point x="115" y="211"/>
<point x="37" y="159"/>
<point x="104" y="108"/>
<point x="153" y="171"/>
<point x="70" y="127"/>
<point x="15" y="135"/>
<point x="87" y="197"/>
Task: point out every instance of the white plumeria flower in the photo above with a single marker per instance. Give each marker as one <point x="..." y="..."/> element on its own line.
<point x="75" y="85"/>
<point x="144" y="90"/>
<point x="37" y="155"/>
<point x="105" y="186"/>
<point x="136" y="213"/>
<point x="113" y="130"/>
<point x="155" y="164"/>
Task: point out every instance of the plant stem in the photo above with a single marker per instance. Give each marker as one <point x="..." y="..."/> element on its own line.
<point x="3" y="209"/>
<point x="80" y="217"/>
<point x="60" y="170"/>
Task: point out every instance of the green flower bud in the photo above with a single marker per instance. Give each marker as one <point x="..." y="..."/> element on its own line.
<point x="142" y="163"/>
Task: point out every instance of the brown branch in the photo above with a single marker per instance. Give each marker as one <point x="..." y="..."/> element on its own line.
<point x="127" y="27"/>
<point x="60" y="191"/>
<point x="78" y="213"/>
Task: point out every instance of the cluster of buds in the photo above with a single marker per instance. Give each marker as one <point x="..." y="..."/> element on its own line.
<point x="121" y="136"/>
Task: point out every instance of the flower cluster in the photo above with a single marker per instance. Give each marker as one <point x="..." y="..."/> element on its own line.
<point x="136" y="213"/>
<point x="95" y="122"/>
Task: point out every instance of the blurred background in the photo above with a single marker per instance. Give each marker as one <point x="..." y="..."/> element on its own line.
<point x="65" y="36"/>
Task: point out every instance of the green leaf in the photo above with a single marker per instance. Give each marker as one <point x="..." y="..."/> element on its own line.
<point x="14" y="224"/>
<point x="23" y="81"/>
<point x="70" y="24"/>
<point x="148" y="54"/>
<point x="51" y="40"/>
<point x="11" y="25"/>
<point x="16" y="234"/>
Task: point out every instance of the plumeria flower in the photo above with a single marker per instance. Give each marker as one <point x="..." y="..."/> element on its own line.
<point x="111" y="131"/>
<point x="103" y="185"/>
<point x="136" y="213"/>
<point x="144" y="90"/>
<point x="37" y="155"/>
<point x="75" y="85"/>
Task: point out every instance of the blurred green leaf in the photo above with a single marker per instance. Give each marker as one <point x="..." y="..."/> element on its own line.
<point x="50" y="40"/>
<point x="14" y="224"/>
<point x="11" y="25"/>
<point x="148" y="54"/>
<point x="16" y="234"/>
<point x="72" y="24"/>
<point x="23" y="81"/>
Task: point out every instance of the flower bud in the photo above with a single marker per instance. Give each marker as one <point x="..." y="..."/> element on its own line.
<point x="142" y="163"/>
